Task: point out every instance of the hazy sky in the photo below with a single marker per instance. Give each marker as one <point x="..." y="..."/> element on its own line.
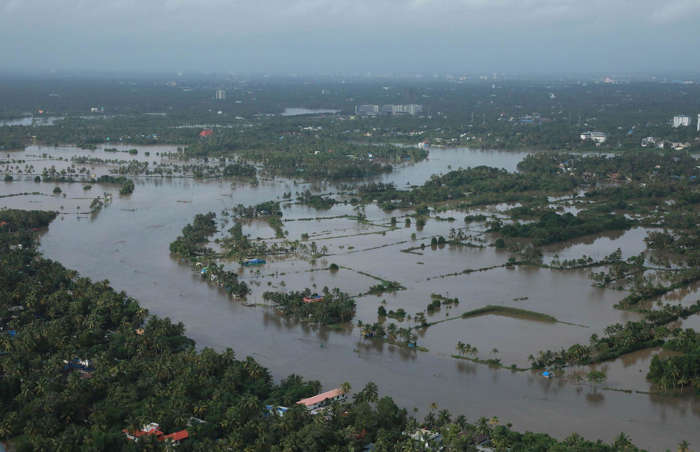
<point x="351" y="36"/>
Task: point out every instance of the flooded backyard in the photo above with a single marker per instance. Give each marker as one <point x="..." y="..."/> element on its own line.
<point x="127" y="243"/>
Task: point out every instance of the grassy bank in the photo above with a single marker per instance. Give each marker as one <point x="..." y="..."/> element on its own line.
<point x="507" y="311"/>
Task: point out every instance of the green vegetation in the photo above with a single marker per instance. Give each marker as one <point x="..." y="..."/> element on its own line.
<point x="20" y="221"/>
<point x="385" y="287"/>
<point x="473" y="186"/>
<point x="508" y="311"/>
<point x="553" y="228"/>
<point x="437" y="301"/>
<point x="189" y="244"/>
<point x="398" y="315"/>
<point x="391" y="333"/>
<point x="329" y="307"/>
<point x="239" y="169"/>
<point x="226" y="279"/>
<point x="619" y="339"/>
<point x="146" y="370"/>
<point x="126" y="185"/>
<point x="318" y="202"/>
<point x="681" y="370"/>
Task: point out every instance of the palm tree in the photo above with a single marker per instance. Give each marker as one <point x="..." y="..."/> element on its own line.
<point x="683" y="446"/>
<point x="461" y="348"/>
<point x="370" y="392"/>
<point x="345" y="387"/>
<point x="622" y="442"/>
<point x="483" y="427"/>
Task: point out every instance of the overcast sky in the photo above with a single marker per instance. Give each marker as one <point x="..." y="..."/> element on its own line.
<point x="351" y="36"/>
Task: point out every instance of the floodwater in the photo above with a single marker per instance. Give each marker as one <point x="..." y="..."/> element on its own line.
<point x="127" y="243"/>
<point x="441" y="161"/>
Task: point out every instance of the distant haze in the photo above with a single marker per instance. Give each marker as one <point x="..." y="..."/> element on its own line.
<point x="351" y="36"/>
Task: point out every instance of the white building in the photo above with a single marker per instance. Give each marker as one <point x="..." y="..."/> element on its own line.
<point x="402" y="109"/>
<point x="596" y="137"/>
<point x="220" y="94"/>
<point x="648" y="141"/>
<point x="681" y="121"/>
<point x="367" y="110"/>
<point x="698" y="122"/>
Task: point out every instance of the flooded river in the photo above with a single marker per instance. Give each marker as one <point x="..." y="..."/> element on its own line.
<point x="127" y="243"/>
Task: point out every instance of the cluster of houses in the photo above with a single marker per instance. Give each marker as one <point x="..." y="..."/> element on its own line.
<point x="596" y="137"/>
<point x="428" y="438"/>
<point x="661" y="144"/>
<point x="599" y="138"/>
<point x="3" y="325"/>
<point x="154" y="430"/>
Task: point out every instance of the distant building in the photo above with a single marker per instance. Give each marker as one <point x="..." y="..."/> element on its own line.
<point x="402" y="109"/>
<point x="677" y="146"/>
<point x="648" y="141"/>
<point x="596" y="137"/>
<point x="698" y="122"/>
<point x="681" y="121"/>
<point x="220" y="94"/>
<point x="367" y="110"/>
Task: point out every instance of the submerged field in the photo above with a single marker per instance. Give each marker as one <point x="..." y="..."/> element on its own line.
<point x="506" y="312"/>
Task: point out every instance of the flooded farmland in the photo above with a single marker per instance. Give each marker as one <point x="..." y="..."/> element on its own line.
<point x="127" y="243"/>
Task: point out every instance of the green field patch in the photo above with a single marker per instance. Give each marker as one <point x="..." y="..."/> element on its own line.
<point x="507" y="311"/>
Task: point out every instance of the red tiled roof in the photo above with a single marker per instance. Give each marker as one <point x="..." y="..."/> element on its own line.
<point x="177" y="436"/>
<point x="320" y="397"/>
<point x="313" y="299"/>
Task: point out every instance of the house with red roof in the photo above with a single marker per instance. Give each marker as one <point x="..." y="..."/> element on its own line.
<point x="321" y="400"/>
<point x="154" y="429"/>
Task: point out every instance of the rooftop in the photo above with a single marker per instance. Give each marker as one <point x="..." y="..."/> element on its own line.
<point x="320" y="397"/>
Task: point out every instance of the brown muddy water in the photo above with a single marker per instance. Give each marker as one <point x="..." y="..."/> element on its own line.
<point x="127" y="243"/>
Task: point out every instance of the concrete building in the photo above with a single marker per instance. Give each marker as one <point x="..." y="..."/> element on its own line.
<point x="402" y="109"/>
<point x="220" y="94"/>
<point x="596" y="137"/>
<point x="698" y="122"/>
<point x="648" y="141"/>
<point x="388" y="109"/>
<point x="367" y="110"/>
<point x="681" y="121"/>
